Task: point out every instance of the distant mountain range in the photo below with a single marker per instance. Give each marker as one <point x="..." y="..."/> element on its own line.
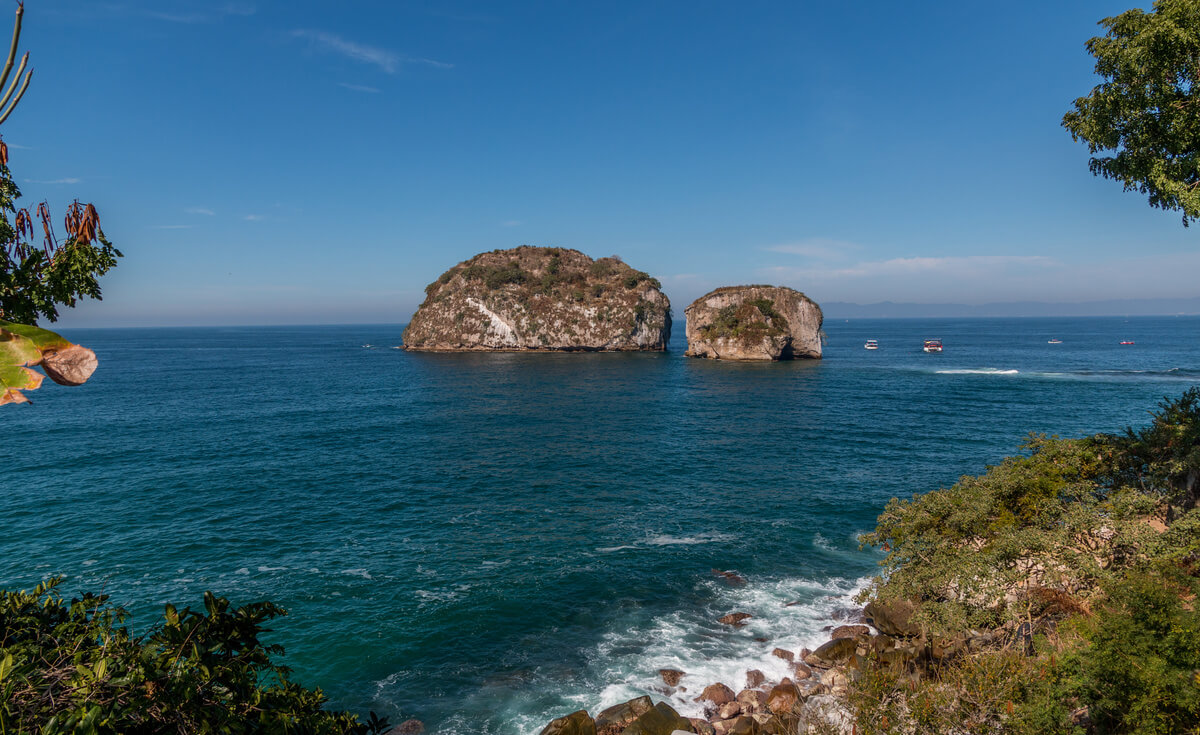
<point x="1113" y="307"/>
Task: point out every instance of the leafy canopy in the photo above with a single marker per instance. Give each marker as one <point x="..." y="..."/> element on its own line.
<point x="71" y="667"/>
<point x="35" y="279"/>
<point x="1144" y="118"/>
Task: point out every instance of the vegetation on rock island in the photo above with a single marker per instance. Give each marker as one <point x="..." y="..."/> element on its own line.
<point x="754" y="317"/>
<point x="541" y="298"/>
<point x="1144" y="118"/>
<point x="1057" y="593"/>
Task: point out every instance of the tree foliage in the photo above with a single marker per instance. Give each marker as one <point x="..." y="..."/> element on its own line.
<point x="36" y="278"/>
<point x="1144" y="118"/>
<point x="72" y="667"/>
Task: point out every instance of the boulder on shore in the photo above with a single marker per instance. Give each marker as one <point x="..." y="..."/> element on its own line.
<point x="576" y="723"/>
<point x="534" y="298"/>
<point x="754" y="323"/>
<point x="893" y="617"/>
<point x="620" y="715"/>
<point x="716" y="694"/>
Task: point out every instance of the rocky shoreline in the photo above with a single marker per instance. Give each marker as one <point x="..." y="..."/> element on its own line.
<point x="812" y="698"/>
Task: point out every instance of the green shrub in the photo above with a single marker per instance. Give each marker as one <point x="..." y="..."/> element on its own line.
<point x="1141" y="674"/>
<point x="495" y="277"/>
<point x="71" y="667"/>
<point x="749" y="319"/>
<point x="1093" y="544"/>
<point x="602" y="268"/>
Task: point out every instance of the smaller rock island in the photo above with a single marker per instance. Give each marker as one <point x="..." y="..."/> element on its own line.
<point x="754" y="323"/>
<point x="539" y="298"/>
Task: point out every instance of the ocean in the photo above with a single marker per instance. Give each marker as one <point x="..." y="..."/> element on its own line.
<point x="488" y="541"/>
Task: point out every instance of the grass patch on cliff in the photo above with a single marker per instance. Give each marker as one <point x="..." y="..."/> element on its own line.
<point x="496" y="276"/>
<point x="1082" y="559"/>
<point x="751" y="319"/>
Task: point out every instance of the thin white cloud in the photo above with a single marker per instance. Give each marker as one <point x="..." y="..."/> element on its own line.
<point x="208" y="16"/>
<point x="511" y="223"/>
<point x="387" y="60"/>
<point x="68" y="180"/>
<point x="965" y="279"/>
<point x="253" y="217"/>
<point x="358" y="88"/>
<point x="20" y="147"/>
<point x="817" y="247"/>
<point x="975" y="265"/>
<point x="200" y="210"/>
<point x="428" y="62"/>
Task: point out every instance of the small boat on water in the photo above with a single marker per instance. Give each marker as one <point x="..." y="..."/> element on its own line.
<point x="1054" y="341"/>
<point x="871" y="345"/>
<point x="1127" y="342"/>
<point x="933" y="345"/>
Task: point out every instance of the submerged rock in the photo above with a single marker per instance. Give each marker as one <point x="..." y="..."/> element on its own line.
<point x="531" y="298"/>
<point x="734" y="619"/>
<point x="754" y="323"/>
<point x="671" y="677"/>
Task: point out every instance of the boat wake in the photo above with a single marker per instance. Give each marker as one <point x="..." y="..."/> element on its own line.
<point x="1171" y="375"/>
<point x="977" y="371"/>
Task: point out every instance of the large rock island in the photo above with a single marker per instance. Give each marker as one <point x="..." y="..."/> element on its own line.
<point x="533" y="298"/>
<point x="754" y="323"/>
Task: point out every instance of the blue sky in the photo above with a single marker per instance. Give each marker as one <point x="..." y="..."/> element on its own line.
<point x="313" y="162"/>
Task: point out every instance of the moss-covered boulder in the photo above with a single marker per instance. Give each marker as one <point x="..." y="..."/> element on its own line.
<point x="754" y="323"/>
<point x="533" y="298"/>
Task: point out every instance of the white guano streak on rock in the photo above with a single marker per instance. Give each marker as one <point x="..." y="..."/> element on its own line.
<point x="500" y="327"/>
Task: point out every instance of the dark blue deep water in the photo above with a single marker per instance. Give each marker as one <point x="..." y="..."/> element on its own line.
<point x="488" y="541"/>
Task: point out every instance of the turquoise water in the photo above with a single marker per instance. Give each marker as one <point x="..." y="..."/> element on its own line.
<point x="488" y="541"/>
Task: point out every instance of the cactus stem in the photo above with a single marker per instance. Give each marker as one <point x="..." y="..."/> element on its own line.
<point x="8" y="93"/>
<point x="20" y="94"/>
<point x="12" y="50"/>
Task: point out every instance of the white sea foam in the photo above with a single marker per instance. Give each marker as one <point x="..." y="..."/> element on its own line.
<point x="978" y="371"/>
<point x="243" y="570"/>
<point x="357" y="573"/>
<point x="90" y="562"/>
<point x="610" y="549"/>
<point x="821" y="542"/>
<point x="435" y="596"/>
<point x="700" y="538"/>
<point x="790" y="614"/>
<point x="271" y="569"/>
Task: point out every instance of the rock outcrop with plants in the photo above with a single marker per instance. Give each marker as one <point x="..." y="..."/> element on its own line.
<point x="535" y="298"/>
<point x="754" y="323"/>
